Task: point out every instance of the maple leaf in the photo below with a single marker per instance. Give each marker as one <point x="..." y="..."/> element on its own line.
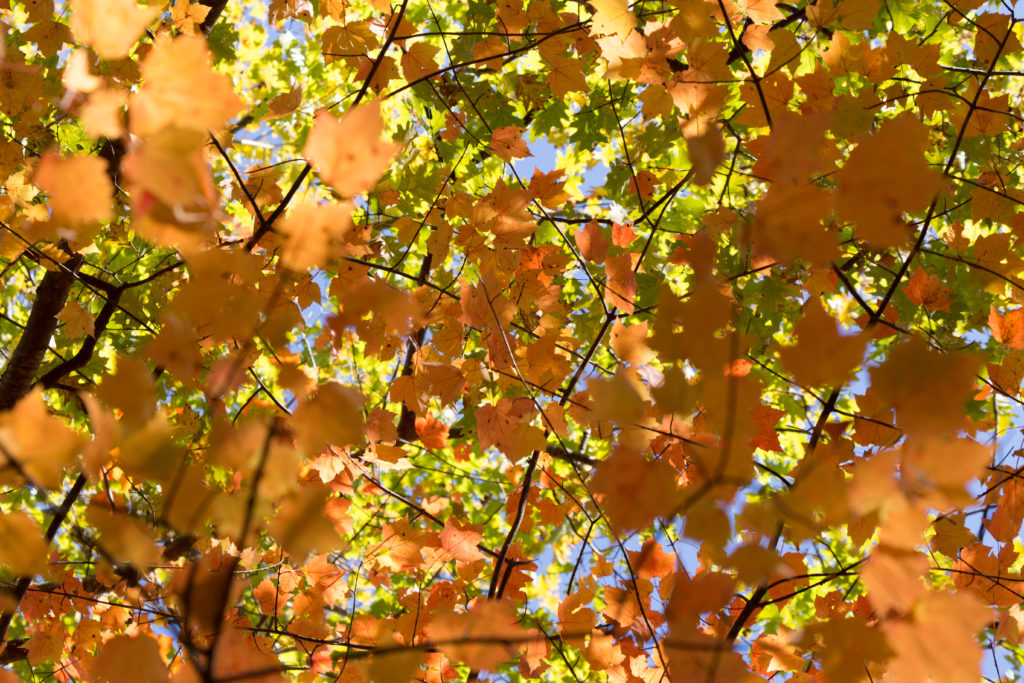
<point x="188" y="16"/>
<point x="591" y="242"/>
<point x="612" y="17"/>
<point x="78" y="322"/>
<point x="1009" y="328"/>
<point x="78" y="187"/>
<point x="620" y="289"/>
<point x="824" y="356"/>
<point x="706" y="149"/>
<point x="925" y="387"/>
<point x="507" y="143"/>
<point x="315" y="233"/>
<point x="123" y="659"/>
<point x="548" y="188"/>
<point x="491" y="624"/>
<point x="633" y="490"/>
<point x="629" y="343"/>
<point x="949" y="650"/>
<point x="40" y="444"/>
<point x="110" y="27"/>
<point x="643" y="184"/>
<point x="566" y="76"/>
<point x="226" y="411"/>
<point x="928" y="291"/>
<point x="461" y="540"/>
<point x="877" y="186"/>
<point x="285" y="103"/>
<point x="420" y="61"/>
<point x="350" y="153"/>
<point x="432" y="433"/>
<point x="173" y="72"/>
<point x="24" y="548"/>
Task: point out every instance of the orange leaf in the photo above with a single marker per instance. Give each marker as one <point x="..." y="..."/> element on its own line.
<point x="79" y="187"/>
<point x="285" y="103"/>
<point x="123" y="659"/>
<point x="461" y="541"/>
<point x="483" y="638"/>
<point x="939" y="643"/>
<point x="1009" y="328"/>
<point x="886" y="176"/>
<point x="623" y="234"/>
<point x="591" y="242"/>
<point x="824" y="356"/>
<point x="507" y="142"/>
<point x="350" y="153"/>
<point x="173" y="72"/>
<point x="432" y="433"/>
<point x="707" y="150"/>
<point x="928" y="291"/>
<point x="620" y="288"/>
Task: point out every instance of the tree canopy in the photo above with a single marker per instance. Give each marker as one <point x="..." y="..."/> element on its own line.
<point x="435" y="340"/>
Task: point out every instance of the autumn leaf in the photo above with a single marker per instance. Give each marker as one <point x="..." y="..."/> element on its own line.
<point x="24" y="548"/>
<point x="566" y="76"/>
<point x="78" y="322"/>
<point x="111" y="27"/>
<point x="876" y="186"/>
<point x="591" y="242"/>
<point x="461" y="541"/>
<point x="292" y="348"/>
<point x="548" y="188"/>
<point x="350" y="153"/>
<point x="36" y="443"/>
<point x="285" y="103"/>
<point x="316" y="234"/>
<point x="612" y="17"/>
<point x="432" y="433"/>
<point x="507" y="143"/>
<point x="620" y="289"/>
<point x="123" y="658"/>
<point x="706" y="149"/>
<point x="824" y="356"/>
<point x="491" y="624"/>
<point x="79" y="188"/>
<point x="1008" y="328"/>
<point x="173" y="71"/>
<point x="949" y="650"/>
<point x="928" y="291"/>
<point x="633" y="490"/>
<point x="419" y="61"/>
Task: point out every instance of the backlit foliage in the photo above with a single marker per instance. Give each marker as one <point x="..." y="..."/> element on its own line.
<point x="391" y="340"/>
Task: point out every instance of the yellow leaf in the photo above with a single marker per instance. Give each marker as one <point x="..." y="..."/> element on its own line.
<point x="612" y="17"/>
<point x="22" y="546"/>
<point x="78" y="322"/>
<point x="110" y="27"/>
<point x="174" y="72"/>
<point x="187" y="15"/>
<point x="38" y="442"/>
